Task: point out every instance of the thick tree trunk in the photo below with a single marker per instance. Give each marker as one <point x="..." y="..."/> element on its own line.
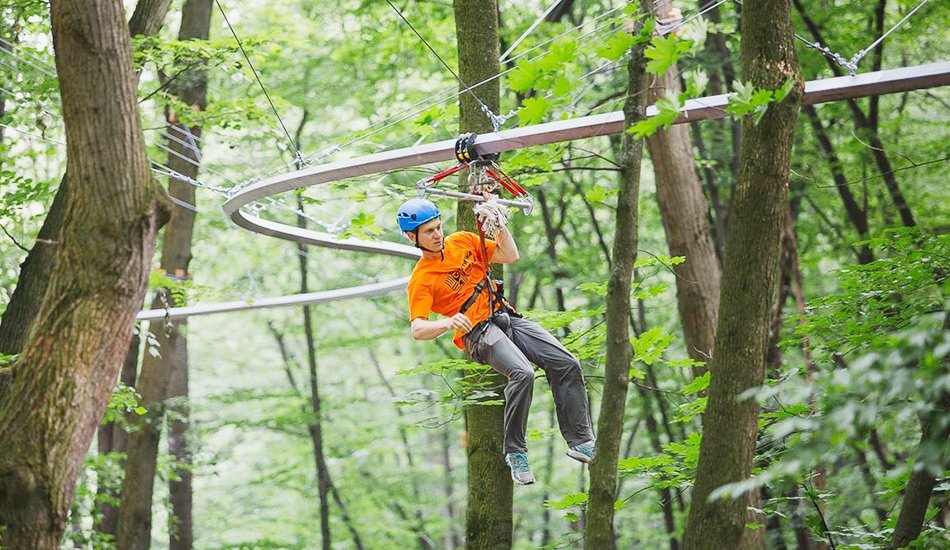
<point x="72" y="357"/>
<point x="751" y="256"/>
<point x="35" y="271"/>
<point x="170" y="367"/>
<point x="488" y="518"/>
<point x="599" y="532"/>
<point x="685" y="219"/>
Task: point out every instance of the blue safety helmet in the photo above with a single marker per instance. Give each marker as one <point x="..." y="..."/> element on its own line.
<point x="416" y="212"/>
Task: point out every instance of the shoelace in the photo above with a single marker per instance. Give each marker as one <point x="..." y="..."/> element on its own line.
<point x="519" y="462"/>
<point x="585" y="448"/>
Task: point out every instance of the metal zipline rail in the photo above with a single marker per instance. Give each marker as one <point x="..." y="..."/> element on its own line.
<point x="712" y="107"/>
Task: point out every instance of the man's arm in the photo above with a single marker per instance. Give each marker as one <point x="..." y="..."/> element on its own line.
<point x="506" y="251"/>
<point x="423" y="329"/>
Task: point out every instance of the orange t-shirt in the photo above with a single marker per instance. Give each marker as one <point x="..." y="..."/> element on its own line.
<point x="443" y="286"/>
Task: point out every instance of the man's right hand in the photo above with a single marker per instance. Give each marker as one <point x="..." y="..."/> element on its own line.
<point x="460" y="322"/>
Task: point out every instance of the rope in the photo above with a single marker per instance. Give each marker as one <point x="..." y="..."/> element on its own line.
<point x="257" y="76"/>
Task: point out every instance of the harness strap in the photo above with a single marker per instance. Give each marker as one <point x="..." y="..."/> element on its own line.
<point x="471" y="299"/>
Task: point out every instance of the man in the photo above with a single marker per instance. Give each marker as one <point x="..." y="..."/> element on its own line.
<point x="450" y="279"/>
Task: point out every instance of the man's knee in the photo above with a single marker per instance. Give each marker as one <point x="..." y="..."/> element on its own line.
<point x="571" y="367"/>
<point x="523" y="376"/>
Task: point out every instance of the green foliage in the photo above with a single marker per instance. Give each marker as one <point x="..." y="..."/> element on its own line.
<point x="172" y="56"/>
<point x="178" y="289"/>
<point x="363" y="226"/>
<point x="675" y="467"/>
<point x="20" y="193"/>
<point x="749" y="100"/>
<point x="668" y="110"/>
<point x="908" y="281"/>
<point x="124" y="400"/>
<point x="567" y="501"/>
<point x="617" y="45"/>
<point x="534" y="110"/>
<point x="665" y="51"/>
<point x="670" y="106"/>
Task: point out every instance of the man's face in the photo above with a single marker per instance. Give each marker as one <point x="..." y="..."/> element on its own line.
<point x="430" y="235"/>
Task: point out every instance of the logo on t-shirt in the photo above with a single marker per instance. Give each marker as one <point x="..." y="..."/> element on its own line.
<point x="456" y="279"/>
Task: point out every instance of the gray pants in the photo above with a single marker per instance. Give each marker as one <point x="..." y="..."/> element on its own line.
<point x="512" y="357"/>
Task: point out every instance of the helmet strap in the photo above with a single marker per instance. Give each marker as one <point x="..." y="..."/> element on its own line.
<point x="419" y="246"/>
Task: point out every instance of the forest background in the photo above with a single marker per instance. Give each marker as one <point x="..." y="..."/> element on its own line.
<point x="334" y="426"/>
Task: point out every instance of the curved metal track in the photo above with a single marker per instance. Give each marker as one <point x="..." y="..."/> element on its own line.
<point x="816" y="91"/>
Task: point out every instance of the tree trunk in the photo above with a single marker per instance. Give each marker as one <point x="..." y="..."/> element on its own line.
<point x="666" y="500"/>
<point x="170" y="367"/>
<point x="685" y="219"/>
<point x="488" y="518"/>
<point x="192" y="88"/>
<point x="35" y="271"/>
<point x="315" y="428"/>
<point x="599" y="532"/>
<point x="725" y="133"/>
<point x="752" y="248"/>
<point x="114" y="439"/>
<point x="920" y="486"/>
<point x="74" y="351"/>
<point x="148" y="17"/>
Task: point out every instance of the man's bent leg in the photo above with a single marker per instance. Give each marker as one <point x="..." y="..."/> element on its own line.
<point x="564" y="374"/>
<point x="495" y="349"/>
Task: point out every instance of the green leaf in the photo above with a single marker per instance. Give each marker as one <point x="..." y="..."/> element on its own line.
<point x="595" y="194"/>
<point x="699" y="384"/>
<point x="664" y="51"/>
<point x="748" y="100"/>
<point x="650" y="345"/>
<point x="574" y="499"/>
<point x="523" y="77"/>
<point x="533" y="110"/>
<point x="363" y="226"/>
<point x="561" y="52"/>
<point x="617" y="45"/>
<point x="668" y="110"/>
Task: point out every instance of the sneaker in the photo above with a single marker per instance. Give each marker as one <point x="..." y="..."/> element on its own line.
<point x="583" y="452"/>
<point x="520" y="470"/>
